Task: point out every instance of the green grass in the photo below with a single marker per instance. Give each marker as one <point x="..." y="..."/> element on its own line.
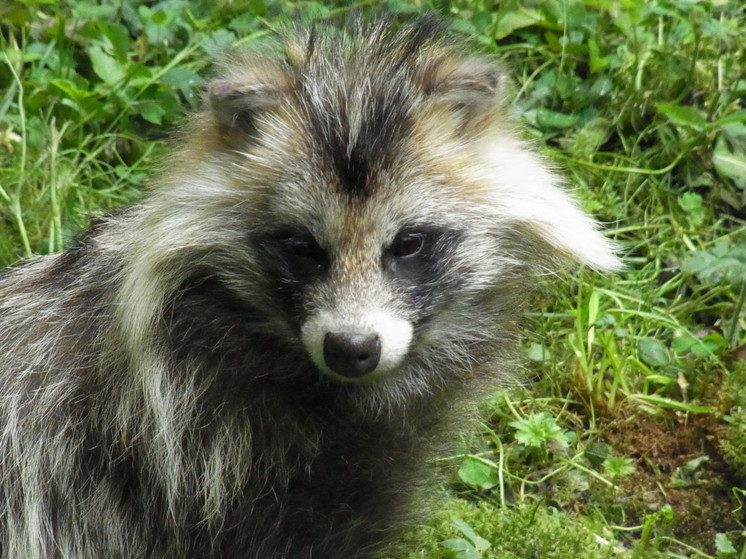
<point x="628" y="438"/>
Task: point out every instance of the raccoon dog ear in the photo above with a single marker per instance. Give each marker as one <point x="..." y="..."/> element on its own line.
<point x="471" y="79"/>
<point x="236" y="104"/>
<point x="471" y="88"/>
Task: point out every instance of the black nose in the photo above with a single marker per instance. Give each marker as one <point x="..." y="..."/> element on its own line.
<point x="351" y="354"/>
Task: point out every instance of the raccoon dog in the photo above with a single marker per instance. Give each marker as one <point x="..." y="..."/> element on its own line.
<point x="255" y="360"/>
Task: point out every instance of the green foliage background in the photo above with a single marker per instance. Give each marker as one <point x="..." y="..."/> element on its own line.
<point x="630" y="441"/>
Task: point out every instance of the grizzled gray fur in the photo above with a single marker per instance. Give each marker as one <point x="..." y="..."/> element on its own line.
<point x="257" y="360"/>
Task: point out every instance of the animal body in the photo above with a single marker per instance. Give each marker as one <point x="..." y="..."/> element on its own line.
<point x="257" y="359"/>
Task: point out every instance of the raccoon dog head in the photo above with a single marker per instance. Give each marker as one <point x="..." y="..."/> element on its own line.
<point x="366" y="198"/>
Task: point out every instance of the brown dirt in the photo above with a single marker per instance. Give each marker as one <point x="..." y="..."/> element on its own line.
<point x="702" y="500"/>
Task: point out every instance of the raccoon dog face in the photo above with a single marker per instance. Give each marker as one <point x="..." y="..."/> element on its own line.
<point x="387" y="217"/>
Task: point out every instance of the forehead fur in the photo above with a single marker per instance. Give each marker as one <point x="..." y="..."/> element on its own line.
<point x="358" y="95"/>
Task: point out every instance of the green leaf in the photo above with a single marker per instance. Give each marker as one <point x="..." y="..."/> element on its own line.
<point x="709" y="345"/>
<point x="652" y="352"/>
<point x="722" y="261"/>
<point x="479" y="473"/>
<point x="619" y="466"/>
<point x="730" y="162"/>
<point x="70" y="89"/>
<point x="316" y="10"/>
<point x="539" y="353"/>
<point x="597" y="62"/>
<point x="118" y="38"/>
<point x="553" y="119"/>
<point x="512" y="20"/>
<point x="723" y="544"/>
<point x="687" y="116"/>
<point x="244" y="24"/>
<point x="736" y="117"/>
<point x="151" y="111"/>
<point x="683" y="343"/>
<point x="693" y="465"/>
<point x="597" y="452"/>
<point x="257" y="7"/>
<point x="183" y="78"/>
<point x="219" y="41"/>
<point x="105" y="66"/>
<point x="666" y="512"/>
<point x="691" y="203"/>
<point x="480" y="544"/>
<point x="538" y="429"/>
<point x="590" y="137"/>
<point x="698" y="262"/>
<point x="93" y="10"/>
<point x="463" y="549"/>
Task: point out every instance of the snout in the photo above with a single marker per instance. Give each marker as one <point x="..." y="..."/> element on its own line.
<point x="352" y="354"/>
<point x="357" y="348"/>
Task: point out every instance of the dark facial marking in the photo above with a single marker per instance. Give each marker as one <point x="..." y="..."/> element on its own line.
<point x="295" y="255"/>
<point x="355" y="159"/>
<point x="382" y="75"/>
<point x="417" y="260"/>
<point x="293" y="260"/>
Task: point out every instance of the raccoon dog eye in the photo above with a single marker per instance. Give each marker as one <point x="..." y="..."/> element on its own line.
<point x="294" y="254"/>
<point x="297" y="244"/>
<point x="407" y="244"/>
<point x="305" y="247"/>
<point x="418" y="256"/>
